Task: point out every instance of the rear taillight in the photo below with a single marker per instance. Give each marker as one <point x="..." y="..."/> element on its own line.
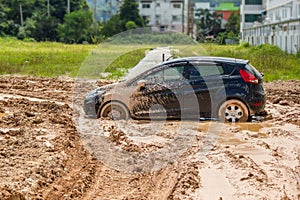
<point x="248" y="77"/>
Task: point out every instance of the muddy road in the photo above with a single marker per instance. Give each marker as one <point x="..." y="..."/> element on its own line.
<point x="43" y="155"/>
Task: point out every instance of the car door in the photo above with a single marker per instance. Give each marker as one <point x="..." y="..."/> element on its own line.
<point x="206" y="81"/>
<point x="162" y="95"/>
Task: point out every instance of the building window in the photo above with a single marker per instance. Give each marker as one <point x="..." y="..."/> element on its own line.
<point x="253" y="2"/>
<point x="146" y="5"/>
<point x="175" y="18"/>
<point x="176" y="5"/>
<point x="252" y="17"/>
<point x="157" y="4"/>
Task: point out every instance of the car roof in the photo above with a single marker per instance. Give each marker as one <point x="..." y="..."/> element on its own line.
<point x="133" y="74"/>
<point x="207" y="59"/>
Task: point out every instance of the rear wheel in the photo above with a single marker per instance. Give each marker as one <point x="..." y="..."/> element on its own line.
<point x="233" y="111"/>
<point x="114" y="110"/>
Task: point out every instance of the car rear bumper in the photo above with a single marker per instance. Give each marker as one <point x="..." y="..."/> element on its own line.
<point x="257" y="104"/>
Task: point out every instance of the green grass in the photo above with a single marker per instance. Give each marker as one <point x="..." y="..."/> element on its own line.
<point x="50" y="59"/>
<point x="111" y="58"/>
<point x="41" y="59"/>
<point x="122" y="64"/>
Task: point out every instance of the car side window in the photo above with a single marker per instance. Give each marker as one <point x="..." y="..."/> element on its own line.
<point x="165" y="75"/>
<point x="210" y="69"/>
<point x="228" y="68"/>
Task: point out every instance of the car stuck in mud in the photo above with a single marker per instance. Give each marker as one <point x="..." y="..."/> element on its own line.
<point x="225" y="89"/>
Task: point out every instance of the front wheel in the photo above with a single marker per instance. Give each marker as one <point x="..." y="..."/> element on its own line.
<point x="114" y="110"/>
<point x="233" y="111"/>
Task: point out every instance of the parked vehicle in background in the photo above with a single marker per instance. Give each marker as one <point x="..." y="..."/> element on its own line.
<point x="226" y="89"/>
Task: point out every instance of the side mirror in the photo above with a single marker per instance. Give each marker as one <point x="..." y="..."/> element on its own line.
<point x="141" y="84"/>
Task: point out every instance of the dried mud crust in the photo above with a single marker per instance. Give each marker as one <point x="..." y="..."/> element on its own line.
<point x="42" y="155"/>
<point x="283" y="101"/>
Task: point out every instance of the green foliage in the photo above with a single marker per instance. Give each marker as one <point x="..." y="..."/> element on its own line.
<point x="221" y="38"/>
<point x="76" y="26"/>
<point x="232" y="30"/>
<point x="233" y="24"/>
<point x="118" y="23"/>
<point x="112" y="27"/>
<point x="45" y="28"/>
<point x="151" y="38"/>
<point x="244" y="45"/>
<point x="129" y="12"/>
<point x="208" y="23"/>
<point x="130" y="25"/>
<point x="38" y="23"/>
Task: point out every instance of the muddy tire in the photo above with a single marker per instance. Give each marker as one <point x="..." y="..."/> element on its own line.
<point x="114" y="110"/>
<point x="233" y="111"/>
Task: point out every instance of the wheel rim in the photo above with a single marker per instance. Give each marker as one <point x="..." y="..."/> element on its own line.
<point x="233" y="113"/>
<point x="114" y="112"/>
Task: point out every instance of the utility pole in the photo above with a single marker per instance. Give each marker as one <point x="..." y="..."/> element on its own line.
<point x="21" y="15"/>
<point x="183" y="16"/>
<point x="190" y="30"/>
<point x="110" y="7"/>
<point x="48" y="7"/>
<point x="68" y="6"/>
<point x="95" y="17"/>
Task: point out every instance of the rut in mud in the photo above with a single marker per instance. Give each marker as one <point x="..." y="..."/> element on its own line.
<point x="43" y="156"/>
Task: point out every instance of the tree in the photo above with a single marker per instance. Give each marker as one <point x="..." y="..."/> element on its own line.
<point x="128" y="18"/>
<point x="76" y="27"/>
<point x="59" y="7"/>
<point x="208" y="23"/>
<point x="37" y="23"/>
<point x="129" y="12"/>
<point x="45" y="28"/>
<point x="130" y="25"/>
<point x="112" y="26"/>
<point x="233" y="24"/>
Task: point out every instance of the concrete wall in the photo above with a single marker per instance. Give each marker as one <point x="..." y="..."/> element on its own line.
<point x="285" y="35"/>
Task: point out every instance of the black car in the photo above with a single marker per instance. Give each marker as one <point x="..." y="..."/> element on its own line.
<point x="220" y="88"/>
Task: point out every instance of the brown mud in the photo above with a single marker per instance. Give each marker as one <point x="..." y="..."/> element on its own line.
<point x="43" y="156"/>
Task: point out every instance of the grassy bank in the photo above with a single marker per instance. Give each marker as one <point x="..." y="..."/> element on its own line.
<point x="55" y="59"/>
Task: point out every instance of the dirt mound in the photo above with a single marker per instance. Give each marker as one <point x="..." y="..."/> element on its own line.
<point x="283" y="92"/>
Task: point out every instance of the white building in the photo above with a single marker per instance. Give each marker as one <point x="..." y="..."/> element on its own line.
<point x="278" y="24"/>
<point x="251" y="12"/>
<point x="166" y="14"/>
